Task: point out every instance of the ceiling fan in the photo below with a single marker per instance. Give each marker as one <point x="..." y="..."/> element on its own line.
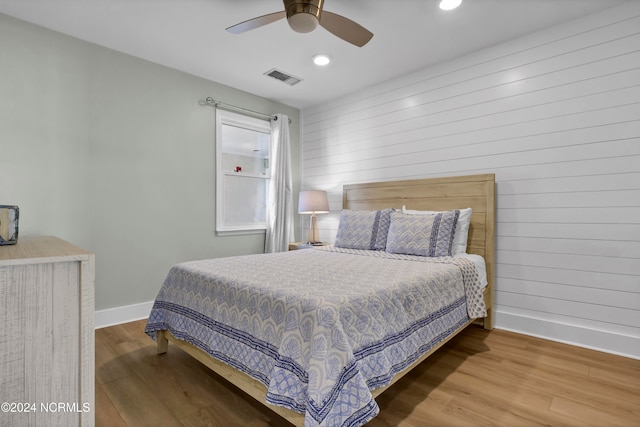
<point x="304" y="16"/>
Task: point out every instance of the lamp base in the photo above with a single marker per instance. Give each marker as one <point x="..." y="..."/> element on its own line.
<point x="313" y="236"/>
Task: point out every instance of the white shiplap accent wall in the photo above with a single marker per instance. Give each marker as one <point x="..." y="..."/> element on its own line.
<point x="556" y="116"/>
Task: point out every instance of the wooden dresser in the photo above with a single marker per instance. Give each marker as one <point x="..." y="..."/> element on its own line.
<point x="47" y="348"/>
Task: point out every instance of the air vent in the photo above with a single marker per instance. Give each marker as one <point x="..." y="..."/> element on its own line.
<point x="283" y="77"/>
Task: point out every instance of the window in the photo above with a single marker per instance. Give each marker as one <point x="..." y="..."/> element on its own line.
<point x="242" y="173"/>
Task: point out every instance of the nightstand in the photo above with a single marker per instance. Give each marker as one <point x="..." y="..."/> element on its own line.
<point x="303" y="245"/>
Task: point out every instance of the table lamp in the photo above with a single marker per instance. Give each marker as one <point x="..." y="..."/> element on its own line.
<point x="313" y="202"/>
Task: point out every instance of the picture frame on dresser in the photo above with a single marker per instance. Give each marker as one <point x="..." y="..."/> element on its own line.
<point x="9" y="215"/>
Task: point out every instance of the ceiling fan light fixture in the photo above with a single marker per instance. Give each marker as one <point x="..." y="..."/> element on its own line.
<point x="303" y="22"/>
<point x="303" y="15"/>
<point x="321" y="60"/>
<point x="449" y="4"/>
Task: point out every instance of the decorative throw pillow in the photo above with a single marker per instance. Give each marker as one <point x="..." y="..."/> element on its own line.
<point x="462" y="229"/>
<point x="363" y="229"/>
<point x="424" y="235"/>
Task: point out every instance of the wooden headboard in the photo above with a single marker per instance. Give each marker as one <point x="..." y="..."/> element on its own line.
<point x="458" y="192"/>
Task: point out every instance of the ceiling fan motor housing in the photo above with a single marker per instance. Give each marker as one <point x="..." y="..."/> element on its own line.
<point x="303" y="16"/>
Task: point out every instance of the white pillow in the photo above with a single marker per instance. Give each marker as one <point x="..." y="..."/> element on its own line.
<point x="462" y="230"/>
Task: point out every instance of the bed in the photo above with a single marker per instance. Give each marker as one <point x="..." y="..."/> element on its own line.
<point x="317" y="334"/>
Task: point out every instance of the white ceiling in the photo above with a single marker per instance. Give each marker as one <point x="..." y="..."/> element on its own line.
<point x="189" y="35"/>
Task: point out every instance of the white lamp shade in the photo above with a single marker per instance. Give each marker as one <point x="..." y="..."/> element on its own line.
<point x="313" y="201"/>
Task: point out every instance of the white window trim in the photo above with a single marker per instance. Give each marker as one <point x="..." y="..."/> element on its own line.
<point x="247" y="122"/>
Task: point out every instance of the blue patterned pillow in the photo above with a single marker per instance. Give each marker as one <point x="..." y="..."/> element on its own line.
<point x="424" y="235"/>
<point x="362" y="229"/>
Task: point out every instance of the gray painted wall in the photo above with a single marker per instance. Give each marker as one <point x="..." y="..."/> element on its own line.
<point x="114" y="154"/>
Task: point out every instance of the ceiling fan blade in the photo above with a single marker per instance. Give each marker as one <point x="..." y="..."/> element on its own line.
<point x="256" y="22"/>
<point x="345" y="28"/>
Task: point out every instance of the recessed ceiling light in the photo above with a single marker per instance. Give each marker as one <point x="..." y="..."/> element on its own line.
<point x="449" y="4"/>
<point x="321" y="60"/>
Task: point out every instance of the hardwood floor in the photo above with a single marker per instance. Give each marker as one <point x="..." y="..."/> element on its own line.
<point x="480" y="378"/>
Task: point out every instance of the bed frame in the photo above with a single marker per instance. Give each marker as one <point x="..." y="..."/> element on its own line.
<point x="474" y="191"/>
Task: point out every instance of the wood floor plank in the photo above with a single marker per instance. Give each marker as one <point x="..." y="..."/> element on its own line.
<point x="138" y="405"/>
<point x="107" y="414"/>
<point x="613" y="375"/>
<point x="109" y="366"/>
<point x="492" y="378"/>
<point x="587" y="415"/>
<point x="581" y="389"/>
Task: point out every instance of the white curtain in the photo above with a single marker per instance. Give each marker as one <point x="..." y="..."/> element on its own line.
<point x="280" y="205"/>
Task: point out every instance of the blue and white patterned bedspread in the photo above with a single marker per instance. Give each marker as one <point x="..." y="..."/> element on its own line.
<point x="319" y="327"/>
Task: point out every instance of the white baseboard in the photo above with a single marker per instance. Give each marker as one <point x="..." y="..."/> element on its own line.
<point x="118" y="315"/>
<point x="605" y="341"/>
